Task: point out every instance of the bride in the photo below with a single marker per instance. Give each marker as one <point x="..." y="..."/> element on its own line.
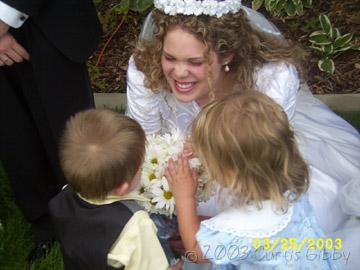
<point x="191" y="52"/>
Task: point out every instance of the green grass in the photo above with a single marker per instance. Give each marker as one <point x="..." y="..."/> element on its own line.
<point x="15" y="235"/>
<point x="352" y="117"/>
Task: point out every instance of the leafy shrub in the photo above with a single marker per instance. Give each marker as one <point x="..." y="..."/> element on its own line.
<point x="329" y="43"/>
<point x="134" y="5"/>
<point x="282" y="8"/>
<point x="95" y="77"/>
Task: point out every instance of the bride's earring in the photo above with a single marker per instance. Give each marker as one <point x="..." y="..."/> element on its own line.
<point x="227" y="69"/>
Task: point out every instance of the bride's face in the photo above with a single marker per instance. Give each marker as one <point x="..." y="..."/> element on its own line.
<point x="185" y="67"/>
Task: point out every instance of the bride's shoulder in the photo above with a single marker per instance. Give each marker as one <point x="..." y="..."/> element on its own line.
<point x="278" y="79"/>
<point x="136" y="88"/>
<point x="276" y="70"/>
<point x="133" y="73"/>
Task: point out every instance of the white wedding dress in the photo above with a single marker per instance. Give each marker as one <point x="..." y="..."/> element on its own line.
<point x="330" y="146"/>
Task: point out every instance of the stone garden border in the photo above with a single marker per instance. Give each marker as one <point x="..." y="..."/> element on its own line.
<point x="337" y="102"/>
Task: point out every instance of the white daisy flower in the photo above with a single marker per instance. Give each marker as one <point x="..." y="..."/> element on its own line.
<point x="164" y="199"/>
<point x="154" y="185"/>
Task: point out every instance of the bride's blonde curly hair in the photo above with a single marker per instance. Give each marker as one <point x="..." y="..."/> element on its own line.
<point x="229" y="35"/>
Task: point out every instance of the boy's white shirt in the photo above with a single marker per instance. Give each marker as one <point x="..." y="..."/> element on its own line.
<point x="12" y="16"/>
<point x="137" y="246"/>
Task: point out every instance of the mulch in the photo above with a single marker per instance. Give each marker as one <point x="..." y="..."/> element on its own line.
<point x="121" y="33"/>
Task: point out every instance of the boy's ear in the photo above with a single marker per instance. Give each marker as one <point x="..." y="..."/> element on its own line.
<point x="122" y="189"/>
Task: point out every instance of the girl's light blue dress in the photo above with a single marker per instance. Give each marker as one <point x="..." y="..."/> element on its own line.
<point x="229" y="247"/>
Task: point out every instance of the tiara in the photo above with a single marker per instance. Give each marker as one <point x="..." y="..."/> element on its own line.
<point x="194" y="7"/>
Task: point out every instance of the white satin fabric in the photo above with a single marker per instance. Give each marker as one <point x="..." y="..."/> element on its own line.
<point x="329" y="145"/>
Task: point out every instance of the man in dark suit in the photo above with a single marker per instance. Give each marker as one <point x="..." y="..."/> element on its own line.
<point x="43" y="81"/>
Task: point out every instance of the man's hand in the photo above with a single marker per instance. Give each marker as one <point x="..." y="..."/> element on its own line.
<point x="3" y="28"/>
<point x="11" y="51"/>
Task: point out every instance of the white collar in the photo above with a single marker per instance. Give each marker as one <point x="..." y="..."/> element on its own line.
<point x="250" y="221"/>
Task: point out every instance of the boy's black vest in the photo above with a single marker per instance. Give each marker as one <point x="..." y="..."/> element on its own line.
<point x="86" y="232"/>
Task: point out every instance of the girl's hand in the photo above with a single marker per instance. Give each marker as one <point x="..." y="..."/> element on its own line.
<point x="177" y="266"/>
<point x="188" y="151"/>
<point x="182" y="180"/>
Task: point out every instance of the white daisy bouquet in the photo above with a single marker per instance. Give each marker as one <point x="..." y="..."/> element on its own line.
<point x="154" y="185"/>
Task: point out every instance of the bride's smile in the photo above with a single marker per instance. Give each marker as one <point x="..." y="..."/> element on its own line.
<point x="184" y="87"/>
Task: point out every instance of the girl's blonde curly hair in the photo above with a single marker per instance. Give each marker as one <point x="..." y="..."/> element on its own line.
<point x="229" y="35"/>
<point x="246" y="143"/>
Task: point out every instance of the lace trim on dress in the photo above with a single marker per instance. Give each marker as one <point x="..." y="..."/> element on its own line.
<point x="263" y="223"/>
<point x="177" y="114"/>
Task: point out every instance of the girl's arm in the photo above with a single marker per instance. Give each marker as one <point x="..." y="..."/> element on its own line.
<point x="183" y="184"/>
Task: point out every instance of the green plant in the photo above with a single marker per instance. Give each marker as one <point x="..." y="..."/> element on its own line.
<point x="95" y="77"/>
<point x="282" y="8"/>
<point x="134" y="5"/>
<point x="109" y="15"/>
<point x="97" y="2"/>
<point x="329" y="43"/>
<point x="311" y="24"/>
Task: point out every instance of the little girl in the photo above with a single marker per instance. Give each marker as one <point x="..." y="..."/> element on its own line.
<point x="247" y="145"/>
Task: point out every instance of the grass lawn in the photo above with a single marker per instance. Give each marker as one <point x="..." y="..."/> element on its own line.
<point x="15" y="236"/>
<point x="352" y="117"/>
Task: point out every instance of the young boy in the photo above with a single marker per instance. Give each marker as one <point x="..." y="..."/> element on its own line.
<point x="96" y="218"/>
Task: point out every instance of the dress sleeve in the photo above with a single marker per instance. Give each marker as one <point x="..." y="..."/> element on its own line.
<point x="142" y="103"/>
<point x="222" y="248"/>
<point x="138" y="247"/>
<point x="281" y="82"/>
